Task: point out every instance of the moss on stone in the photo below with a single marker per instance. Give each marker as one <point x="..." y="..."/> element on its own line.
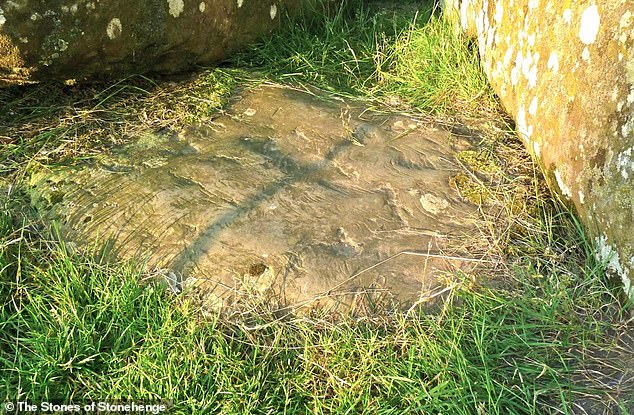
<point x="470" y="189"/>
<point x="479" y="160"/>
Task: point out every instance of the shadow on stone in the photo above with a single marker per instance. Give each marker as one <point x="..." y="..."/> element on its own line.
<point x="314" y="203"/>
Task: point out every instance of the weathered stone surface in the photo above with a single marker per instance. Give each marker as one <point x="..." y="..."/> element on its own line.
<point x="565" y="71"/>
<point x="316" y="203"/>
<point x="67" y="39"/>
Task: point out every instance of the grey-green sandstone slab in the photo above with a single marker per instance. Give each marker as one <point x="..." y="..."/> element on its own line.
<point x="317" y="204"/>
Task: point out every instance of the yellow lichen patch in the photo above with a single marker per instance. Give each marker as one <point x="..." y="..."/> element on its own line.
<point x="481" y="161"/>
<point x="589" y="25"/>
<point x="11" y="63"/>
<point x="114" y="29"/>
<point x="9" y="54"/>
<point x="176" y="7"/>
<point x="469" y="189"/>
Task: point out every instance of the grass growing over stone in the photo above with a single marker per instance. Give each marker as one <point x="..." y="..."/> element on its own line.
<point x="401" y="54"/>
<point x="52" y="123"/>
<point x="76" y="326"/>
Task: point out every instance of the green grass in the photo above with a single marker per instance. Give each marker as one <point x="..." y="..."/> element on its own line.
<point x="58" y="123"/>
<point x="76" y="326"/>
<point x="399" y="54"/>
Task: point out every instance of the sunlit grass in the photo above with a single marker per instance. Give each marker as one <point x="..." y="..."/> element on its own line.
<point x="400" y="55"/>
<point x="78" y="328"/>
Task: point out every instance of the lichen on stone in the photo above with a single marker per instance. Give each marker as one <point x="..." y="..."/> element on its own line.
<point x="553" y="62"/>
<point x="589" y="25"/>
<point x="433" y="204"/>
<point x="536" y="149"/>
<point x="114" y="28"/>
<point x="609" y="256"/>
<point x="565" y="190"/>
<point x="176" y="7"/>
<point x="625" y="163"/>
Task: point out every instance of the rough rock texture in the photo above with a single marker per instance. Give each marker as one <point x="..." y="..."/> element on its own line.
<point x="321" y="204"/>
<point x="73" y="39"/>
<point x="565" y="71"/>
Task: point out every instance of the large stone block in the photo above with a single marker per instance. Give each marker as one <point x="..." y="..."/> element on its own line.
<point x="74" y="39"/>
<point x="565" y="71"/>
<point x="286" y="196"/>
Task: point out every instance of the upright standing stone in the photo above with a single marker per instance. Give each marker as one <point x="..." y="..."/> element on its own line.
<point x="565" y="71"/>
<point x="74" y="39"/>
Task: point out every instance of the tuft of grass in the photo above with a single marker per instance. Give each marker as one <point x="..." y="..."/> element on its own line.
<point x="436" y="69"/>
<point x="400" y="55"/>
<point x="335" y="53"/>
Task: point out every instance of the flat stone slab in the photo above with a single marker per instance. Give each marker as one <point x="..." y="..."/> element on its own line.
<point x="315" y="202"/>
